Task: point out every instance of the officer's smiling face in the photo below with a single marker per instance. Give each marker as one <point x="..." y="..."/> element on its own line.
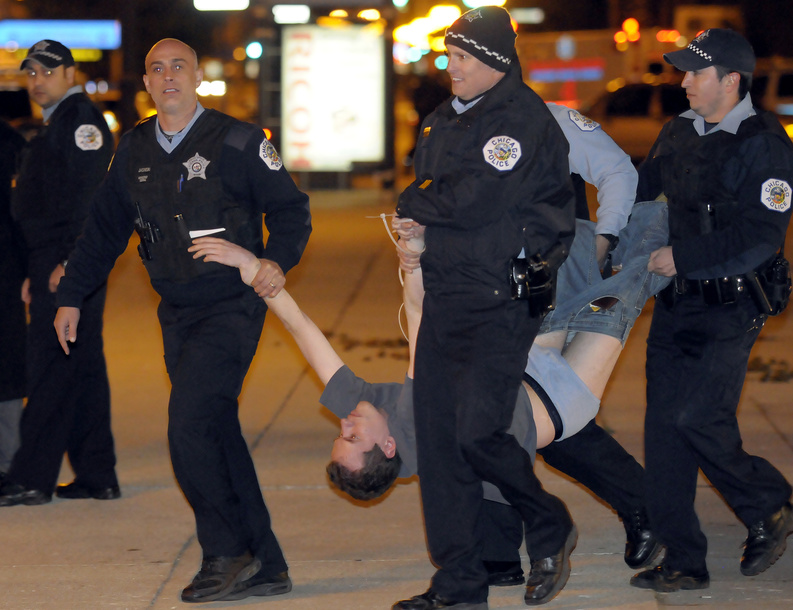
<point x="470" y="77"/>
<point x="47" y="86"/>
<point x="172" y="77"/>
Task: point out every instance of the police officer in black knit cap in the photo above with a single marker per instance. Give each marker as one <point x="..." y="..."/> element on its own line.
<point x="68" y="407"/>
<point x="492" y="184"/>
<point x="726" y="169"/>
<point x="184" y="173"/>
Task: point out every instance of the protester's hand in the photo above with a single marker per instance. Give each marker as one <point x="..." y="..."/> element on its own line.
<point x="217" y="250"/>
<point x="662" y="262"/>
<point x="24" y="293"/>
<point x="66" y="321"/>
<point x="408" y="260"/>
<point x="269" y="279"/>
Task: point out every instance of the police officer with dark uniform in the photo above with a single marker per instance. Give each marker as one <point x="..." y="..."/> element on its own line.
<point x="68" y="407"/>
<point x="726" y="169"/>
<point x="491" y="180"/>
<point x="182" y="174"/>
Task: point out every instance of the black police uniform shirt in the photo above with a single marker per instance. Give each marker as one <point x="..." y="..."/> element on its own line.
<point x="728" y="191"/>
<point x="490" y="182"/>
<point x="224" y="174"/>
<point x="60" y="169"/>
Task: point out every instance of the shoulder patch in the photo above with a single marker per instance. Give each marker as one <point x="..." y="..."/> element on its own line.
<point x="269" y="155"/>
<point x="88" y="137"/>
<point x="776" y="195"/>
<point x="502" y="152"/>
<point x="584" y="123"/>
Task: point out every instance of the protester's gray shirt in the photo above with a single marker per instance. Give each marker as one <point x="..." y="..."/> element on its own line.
<point x="345" y="390"/>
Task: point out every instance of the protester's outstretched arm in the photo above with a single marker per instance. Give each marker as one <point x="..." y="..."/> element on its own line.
<point x="312" y="342"/>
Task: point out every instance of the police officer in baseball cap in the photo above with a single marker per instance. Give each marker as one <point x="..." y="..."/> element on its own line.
<point x="60" y="168"/>
<point x="726" y="169"/>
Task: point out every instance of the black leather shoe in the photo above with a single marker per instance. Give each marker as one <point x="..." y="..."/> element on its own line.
<point x="430" y="600"/>
<point x="13" y="494"/>
<point x="260" y="585"/>
<point x="504" y="573"/>
<point x="664" y="580"/>
<point x="767" y="541"/>
<point x="218" y="576"/>
<point x="78" y="491"/>
<point x="641" y="546"/>
<point x="548" y="576"/>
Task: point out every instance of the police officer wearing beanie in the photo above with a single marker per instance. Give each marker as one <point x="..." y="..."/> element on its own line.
<point x="68" y="408"/>
<point x="492" y="182"/>
<point x="726" y="169"/>
<point x="181" y="174"/>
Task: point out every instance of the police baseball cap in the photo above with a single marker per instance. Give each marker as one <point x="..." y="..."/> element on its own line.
<point x="715" y="47"/>
<point x="50" y="54"/>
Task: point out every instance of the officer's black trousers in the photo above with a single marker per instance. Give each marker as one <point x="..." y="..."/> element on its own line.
<point x="593" y="458"/>
<point x="470" y="357"/>
<point x="68" y="408"/>
<point x="208" y="350"/>
<point x="696" y="363"/>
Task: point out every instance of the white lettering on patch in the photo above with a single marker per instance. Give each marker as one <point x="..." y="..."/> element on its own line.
<point x="269" y="155"/>
<point x="502" y="152"/>
<point x="775" y="195"/>
<point x="584" y="123"/>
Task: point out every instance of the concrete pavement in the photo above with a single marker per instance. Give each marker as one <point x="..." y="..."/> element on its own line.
<point x="140" y="551"/>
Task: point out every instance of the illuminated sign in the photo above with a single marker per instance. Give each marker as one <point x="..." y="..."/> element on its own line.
<point x="590" y="69"/>
<point x="73" y="33"/>
<point x="332" y="97"/>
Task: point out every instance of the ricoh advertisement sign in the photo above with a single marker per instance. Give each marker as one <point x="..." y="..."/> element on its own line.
<point x="332" y="97"/>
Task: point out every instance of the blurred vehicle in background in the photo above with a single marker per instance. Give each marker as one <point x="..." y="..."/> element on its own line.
<point x="772" y="89"/>
<point x="634" y="114"/>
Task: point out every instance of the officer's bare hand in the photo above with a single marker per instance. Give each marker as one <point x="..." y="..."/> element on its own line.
<point x="217" y="250"/>
<point x="407" y="228"/>
<point x="662" y="262"/>
<point x="55" y="277"/>
<point x="602" y="247"/>
<point x="269" y="279"/>
<point x="66" y="321"/>
<point x="24" y="293"/>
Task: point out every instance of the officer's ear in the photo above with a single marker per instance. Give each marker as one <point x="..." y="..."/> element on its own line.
<point x="69" y="73"/>
<point x="199" y="76"/>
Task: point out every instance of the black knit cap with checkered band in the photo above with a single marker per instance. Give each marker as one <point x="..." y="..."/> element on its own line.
<point x="715" y="47"/>
<point x="487" y="34"/>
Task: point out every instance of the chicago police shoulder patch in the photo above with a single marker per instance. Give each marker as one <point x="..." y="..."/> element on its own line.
<point x="269" y="155"/>
<point x="584" y="123"/>
<point x="502" y="152"/>
<point x="196" y="167"/>
<point x="776" y="195"/>
<point x="88" y="137"/>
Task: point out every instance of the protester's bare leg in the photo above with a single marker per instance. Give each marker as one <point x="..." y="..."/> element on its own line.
<point x="593" y="357"/>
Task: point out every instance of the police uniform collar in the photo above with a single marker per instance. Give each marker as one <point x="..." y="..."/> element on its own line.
<point x="169" y="145"/>
<point x="46" y="113"/>
<point x="730" y="123"/>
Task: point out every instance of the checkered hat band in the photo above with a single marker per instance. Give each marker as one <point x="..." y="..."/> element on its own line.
<point x="476" y="45"/>
<point x="700" y="52"/>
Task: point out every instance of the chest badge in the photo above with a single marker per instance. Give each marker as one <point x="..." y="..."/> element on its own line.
<point x="502" y="152"/>
<point x="196" y="167"/>
<point x="88" y="137"/>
